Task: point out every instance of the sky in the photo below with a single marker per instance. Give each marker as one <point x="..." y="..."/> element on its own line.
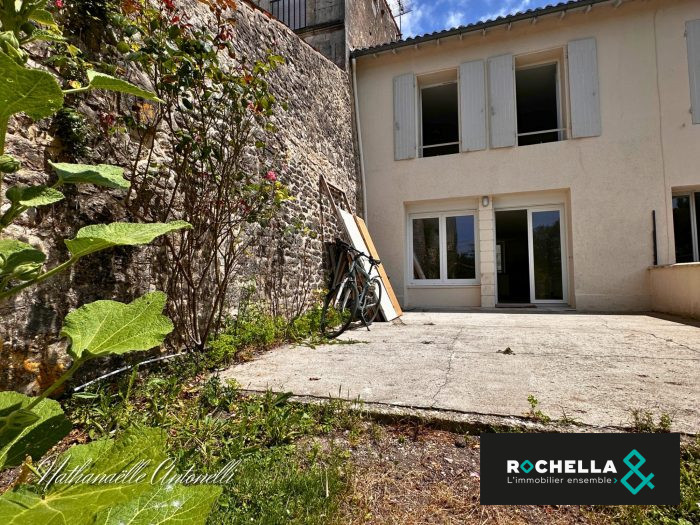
<point x="435" y="15"/>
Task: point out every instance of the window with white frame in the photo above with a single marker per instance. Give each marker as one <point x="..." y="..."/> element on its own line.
<point x="538" y="94"/>
<point x="443" y="248"/>
<point x="686" y="226"/>
<point x="439" y="113"/>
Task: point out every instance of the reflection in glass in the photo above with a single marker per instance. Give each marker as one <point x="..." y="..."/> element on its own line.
<point x="426" y="248"/>
<point x="461" y="252"/>
<point x="682" y="229"/>
<point x="546" y="246"/>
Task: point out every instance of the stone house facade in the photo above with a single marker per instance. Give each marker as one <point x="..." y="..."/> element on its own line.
<point x="335" y="27"/>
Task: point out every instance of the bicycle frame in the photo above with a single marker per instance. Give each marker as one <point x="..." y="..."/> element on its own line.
<point x="357" y="272"/>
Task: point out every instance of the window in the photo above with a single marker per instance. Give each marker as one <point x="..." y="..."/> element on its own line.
<point x="439" y="106"/>
<point x="686" y="225"/>
<point x="538" y="97"/>
<point x="291" y="13"/>
<point x="443" y="248"/>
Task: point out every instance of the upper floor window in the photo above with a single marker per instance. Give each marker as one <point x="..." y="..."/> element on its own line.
<point x="686" y="226"/>
<point x="538" y="98"/>
<point x="439" y="114"/>
<point x="499" y="102"/>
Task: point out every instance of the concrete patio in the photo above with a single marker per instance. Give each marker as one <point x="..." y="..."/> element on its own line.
<point x="594" y="368"/>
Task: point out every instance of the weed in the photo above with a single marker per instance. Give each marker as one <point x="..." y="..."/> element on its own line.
<point x="534" y="413"/>
<point x="643" y="421"/>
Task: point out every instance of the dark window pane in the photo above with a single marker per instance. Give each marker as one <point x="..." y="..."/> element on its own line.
<point x="682" y="229"/>
<point x="440" y="118"/>
<point x="536" y="101"/>
<point x="441" y="150"/>
<point x="546" y="247"/>
<point x="461" y="252"/>
<point x="426" y="248"/>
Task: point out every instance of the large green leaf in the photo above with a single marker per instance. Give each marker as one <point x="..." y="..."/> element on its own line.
<point x="103" y="81"/>
<point x="134" y="503"/>
<point x="77" y="504"/>
<point x="100" y="175"/>
<point x="20" y="436"/>
<point x="19" y="258"/>
<point x="164" y="505"/>
<point x="44" y="17"/>
<point x="102" y="236"/>
<point x="109" y="327"/>
<point x="33" y="196"/>
<point x="24" y="90"/>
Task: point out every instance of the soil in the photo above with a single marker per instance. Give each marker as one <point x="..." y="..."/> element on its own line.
<point x="414" y="475"/>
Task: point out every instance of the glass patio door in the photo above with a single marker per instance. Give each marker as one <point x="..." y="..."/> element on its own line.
<point x="547" y="261"/>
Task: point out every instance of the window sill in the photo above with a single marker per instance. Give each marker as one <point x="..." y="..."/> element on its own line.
<point x="443" y="285"/>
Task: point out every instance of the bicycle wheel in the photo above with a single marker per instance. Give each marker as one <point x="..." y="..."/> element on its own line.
<point x="371" y="301"/>
<point x="339" y="309"/>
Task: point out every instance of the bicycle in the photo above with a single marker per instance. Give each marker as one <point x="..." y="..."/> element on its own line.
<point x="356" y="295"/>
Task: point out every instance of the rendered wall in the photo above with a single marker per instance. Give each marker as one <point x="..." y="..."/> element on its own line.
<point x="648" y="146"/>
<point x="675" y="289"/>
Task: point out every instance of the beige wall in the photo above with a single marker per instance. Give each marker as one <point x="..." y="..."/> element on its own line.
<point x="676" y="289"/>
<point x="611" y="183"/>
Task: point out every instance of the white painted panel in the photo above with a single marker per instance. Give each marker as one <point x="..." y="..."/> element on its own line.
<point x="502" y="101"/>
<point x="692" y="35"/>
<point x="472" y="103"/>
<point x="358" y="242"/>
<point x="583" y="85"/>
<point x="405" y="117"/>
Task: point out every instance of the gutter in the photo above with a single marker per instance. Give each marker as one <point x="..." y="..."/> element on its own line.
<point x="561" y="8"/>
<point x="359" y="141"/>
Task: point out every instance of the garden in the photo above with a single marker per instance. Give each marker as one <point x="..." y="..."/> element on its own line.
<point x="164" y="167"/>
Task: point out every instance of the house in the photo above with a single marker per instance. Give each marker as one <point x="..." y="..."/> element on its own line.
<point x="549" y="157"/>
<point x="334" y="27"/>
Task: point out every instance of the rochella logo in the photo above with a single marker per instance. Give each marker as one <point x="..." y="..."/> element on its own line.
<point x="634" y="469"/>
<point x="573" y="466"/>
<point x="560" y="466"/>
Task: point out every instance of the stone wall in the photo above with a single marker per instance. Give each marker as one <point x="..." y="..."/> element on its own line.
<point x="335" y="27"/>
<point x="315" y="138"/>
<point x="369" y="23"/>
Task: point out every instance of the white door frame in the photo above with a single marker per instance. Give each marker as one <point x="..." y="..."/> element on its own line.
<point x="531" y="253"/>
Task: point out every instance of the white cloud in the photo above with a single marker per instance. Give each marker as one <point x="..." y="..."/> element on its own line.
<point x="507" y="7"/>
<point x="454" y="19"/>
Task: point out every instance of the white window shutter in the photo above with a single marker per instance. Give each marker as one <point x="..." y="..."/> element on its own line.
<point x="583" y="85"/>
<point x="405" y="117"/>
<point x="692" y="36"/>
<point x="472" y="103"/>
<point x="502" y="101"/>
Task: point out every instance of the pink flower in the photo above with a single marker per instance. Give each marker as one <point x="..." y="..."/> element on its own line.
<point x="58" y="4"/>
<point x="271" y="176"/>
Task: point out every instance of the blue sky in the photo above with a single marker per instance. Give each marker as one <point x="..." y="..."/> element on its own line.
<point x="434" y="15"/>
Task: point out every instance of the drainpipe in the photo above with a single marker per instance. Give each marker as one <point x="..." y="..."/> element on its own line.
<point x="359" y="141"/>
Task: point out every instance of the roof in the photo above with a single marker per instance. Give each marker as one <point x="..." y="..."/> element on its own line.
<point x="480" y="26"/>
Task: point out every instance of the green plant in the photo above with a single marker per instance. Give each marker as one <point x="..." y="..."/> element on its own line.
<point x="95" y="330"/>
<point x="643" y="421"/>
<point x="139" y="503"/>
<point x="536" y="414"/>
<point x="221" y="174"/>
<point x="69" y="124"/>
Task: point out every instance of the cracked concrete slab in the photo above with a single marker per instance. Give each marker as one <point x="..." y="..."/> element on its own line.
<point x="592" y="367"/>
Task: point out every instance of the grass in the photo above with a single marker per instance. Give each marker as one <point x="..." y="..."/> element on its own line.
<point x="210" y="423"/>
<point x="327" y="463"/>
